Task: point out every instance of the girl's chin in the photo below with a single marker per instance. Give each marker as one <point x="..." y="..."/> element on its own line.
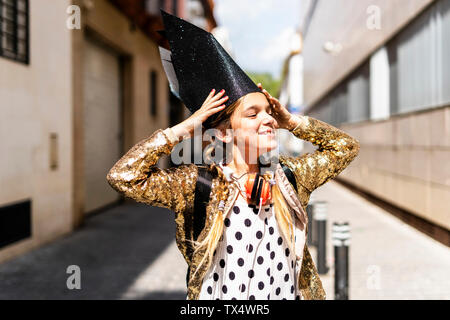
<point x="267" y="148"/>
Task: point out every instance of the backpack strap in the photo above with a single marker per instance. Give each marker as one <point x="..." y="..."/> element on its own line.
<point x="202" y="192"/>
<point x="201" y="199"/>
<point x="290" y="175"/>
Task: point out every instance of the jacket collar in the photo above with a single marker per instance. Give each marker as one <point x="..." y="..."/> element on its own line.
<point x="288" y="193"/>
<point x="286" y="189"/>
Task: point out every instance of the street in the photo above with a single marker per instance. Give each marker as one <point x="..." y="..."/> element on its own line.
<point x="129" y="252"/>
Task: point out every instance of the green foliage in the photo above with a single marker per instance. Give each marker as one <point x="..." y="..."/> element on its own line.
<point x="268" y="82"/>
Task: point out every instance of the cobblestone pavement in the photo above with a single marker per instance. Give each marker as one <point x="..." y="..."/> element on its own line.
<point x="129" y="252"/>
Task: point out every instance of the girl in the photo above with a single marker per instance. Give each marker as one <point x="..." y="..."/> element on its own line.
<point x="246" y="249"/>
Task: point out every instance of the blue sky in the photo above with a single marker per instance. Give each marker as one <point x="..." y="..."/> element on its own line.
<point x="259" y="30"/>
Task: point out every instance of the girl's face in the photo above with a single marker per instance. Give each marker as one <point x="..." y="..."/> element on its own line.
<point x="253" y="126"/>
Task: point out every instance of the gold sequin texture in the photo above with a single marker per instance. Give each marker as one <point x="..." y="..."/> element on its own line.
<point x="136" y="176"/>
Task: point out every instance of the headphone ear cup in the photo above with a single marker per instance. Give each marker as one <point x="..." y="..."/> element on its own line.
<point x="249" y="185"/>
<point x="256" y="187"/>
<point x="259" y="189"/>
<point x="265" y="194"/>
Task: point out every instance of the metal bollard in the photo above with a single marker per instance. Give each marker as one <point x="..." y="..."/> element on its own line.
<point x="341" y="242"/>
<point x="309" y="212"/>
<point x="320" y="219"/>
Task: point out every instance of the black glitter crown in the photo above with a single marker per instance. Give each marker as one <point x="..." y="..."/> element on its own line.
<point x="197" y="63"/>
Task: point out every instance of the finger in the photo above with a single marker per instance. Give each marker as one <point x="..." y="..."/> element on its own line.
<point x="275" y="103"/>
<point x="218" y="95"/>
<point x="211" y="93"/>
<point x="269" y="96"/>
<point x="208" y="98"/>
<point x="212" y="111"/>
<point x="267" y="93"/>
<point x="218" y="102"/>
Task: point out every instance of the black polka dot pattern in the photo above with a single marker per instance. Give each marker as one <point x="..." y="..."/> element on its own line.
<point x="260" y="260"/>
<point x="252" y="261"/>
<point x="280" y="241"/>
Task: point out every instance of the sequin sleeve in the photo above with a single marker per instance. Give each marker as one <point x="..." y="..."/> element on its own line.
<point x="336" y="150"/>
<point x="136" y="176"/>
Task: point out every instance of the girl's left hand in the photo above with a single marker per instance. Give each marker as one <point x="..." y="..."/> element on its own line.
<point x="280" y="113"/>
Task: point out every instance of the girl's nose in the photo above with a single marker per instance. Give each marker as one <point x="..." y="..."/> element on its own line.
<point x="268" y="119"/>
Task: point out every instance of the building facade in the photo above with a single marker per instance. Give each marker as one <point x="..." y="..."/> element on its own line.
<point x="385" y="80"/>
<point x="80" y="82"/>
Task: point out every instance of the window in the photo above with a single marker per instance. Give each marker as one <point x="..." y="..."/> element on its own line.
<point x="153" y="93"/>
<point x="419" y="61"/>
<point x="14" y="30"/>
<point x="15" y="222"/>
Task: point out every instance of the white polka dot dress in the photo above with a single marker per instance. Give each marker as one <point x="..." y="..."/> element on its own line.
<point x="252" y="260"/>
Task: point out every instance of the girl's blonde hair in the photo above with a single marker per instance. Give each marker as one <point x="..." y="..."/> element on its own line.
<point x="283" y="214"/>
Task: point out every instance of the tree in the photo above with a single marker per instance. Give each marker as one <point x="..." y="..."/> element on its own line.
<point x="268" y="82"/>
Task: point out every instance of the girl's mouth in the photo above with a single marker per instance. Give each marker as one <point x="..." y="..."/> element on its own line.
<point x="267" y="132"/>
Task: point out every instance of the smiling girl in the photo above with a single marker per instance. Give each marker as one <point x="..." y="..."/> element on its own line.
<point x="244" y="235"/>
<point x="246" y="250"/>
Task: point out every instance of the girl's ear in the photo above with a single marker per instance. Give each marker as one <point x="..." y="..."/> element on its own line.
<point x="224" y="135"/>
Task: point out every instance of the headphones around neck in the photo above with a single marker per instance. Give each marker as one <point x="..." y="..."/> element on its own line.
<point x="257" y="189"/>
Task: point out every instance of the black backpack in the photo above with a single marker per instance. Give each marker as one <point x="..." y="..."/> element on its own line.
<point x="202" y="193"/>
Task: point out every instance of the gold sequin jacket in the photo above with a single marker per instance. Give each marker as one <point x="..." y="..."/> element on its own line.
<point x="136" y="176"/>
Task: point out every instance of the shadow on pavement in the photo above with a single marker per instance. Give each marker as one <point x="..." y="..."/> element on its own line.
<point x="111" y="249"/>
<point x="165" y="295"/>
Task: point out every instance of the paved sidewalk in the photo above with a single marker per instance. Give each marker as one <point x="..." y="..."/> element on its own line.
<point x="388" y="258"/>
<point x="129" y="253"/>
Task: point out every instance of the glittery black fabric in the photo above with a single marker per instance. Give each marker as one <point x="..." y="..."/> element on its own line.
<point x="202" y="64"/>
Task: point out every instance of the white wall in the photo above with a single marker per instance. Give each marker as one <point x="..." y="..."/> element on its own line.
<point x="35" y="101"/>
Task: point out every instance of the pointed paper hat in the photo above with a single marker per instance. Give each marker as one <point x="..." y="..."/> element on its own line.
<point x="197" y="63"/>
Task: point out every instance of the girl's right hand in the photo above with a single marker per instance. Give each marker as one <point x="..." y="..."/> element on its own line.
<point x="212" y="104"/>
